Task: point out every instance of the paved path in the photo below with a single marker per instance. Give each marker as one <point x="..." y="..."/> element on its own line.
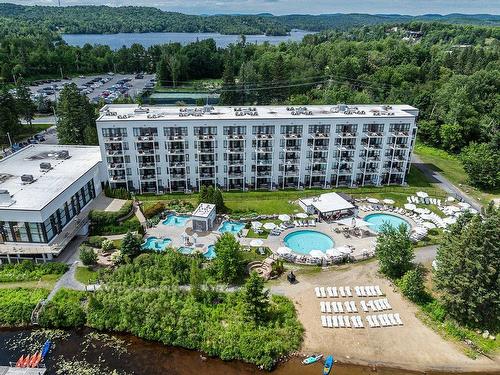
<point x="438" y="179"/>
<point x="67" y="281"/>
<point x="425" y="254"/>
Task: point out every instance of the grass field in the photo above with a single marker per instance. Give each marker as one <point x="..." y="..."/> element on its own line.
<point x="451" y="168"/>
<point x="85" y="275"/>
<point x="45" y="282"/>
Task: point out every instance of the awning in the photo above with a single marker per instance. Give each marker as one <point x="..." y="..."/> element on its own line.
<point x="388" y="201"/>
<point x="372" y="200"/>
<point x="256" y="224"/>
<point x="333" y="253"/>
<point x="410" y="206"/>
<point x="317" y="254"/>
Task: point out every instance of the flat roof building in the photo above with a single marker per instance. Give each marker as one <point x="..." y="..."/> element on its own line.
<point x="45" y="192"/>
<point x="165" y="149"/>
<point x="204" y="217"/>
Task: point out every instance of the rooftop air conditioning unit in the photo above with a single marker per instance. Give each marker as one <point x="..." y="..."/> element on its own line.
<point x="27" y="178"/>
<point x="5" y="198"/>
<point x="44" y="167"/>
<point x="62" y="155"/>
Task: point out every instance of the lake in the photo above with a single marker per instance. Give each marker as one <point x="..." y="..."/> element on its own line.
<point x="116" y="41"/>
<point x="87" y="351"/>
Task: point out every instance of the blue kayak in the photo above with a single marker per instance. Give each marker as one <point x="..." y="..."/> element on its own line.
<point x="312" y="359"/>
<point x="46" y="348"/>
<point x="328" y="365"/>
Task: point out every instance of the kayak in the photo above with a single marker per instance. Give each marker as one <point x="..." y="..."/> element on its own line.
<point x="312" y="359"/>
<point x="328" y="365"/>
<point x="45" y="349"/>
<point x="20" y="361"/>
<point x="26" y="361"/>
<point x="35" y="360"/>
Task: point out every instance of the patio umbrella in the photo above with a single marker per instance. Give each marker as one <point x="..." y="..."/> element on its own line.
<point x="429" y="225"/>
<point x="464" y="204"/>
<point x="284" y="250"/>
<point x="453" y="208"/>
<point x="410" y="206"/>
<point x="450" y="220"/>
<point x="256" y="224"/>
<point x="284" y="217"/>
<point x="269" y="226"/>
<point x="372" y="200"/>
<point x="302" y="215"/>
<point x="344" y="249"/>
<point x="422" y="194"/>
<point x="317" y="254"/>
<point x="333" y="252"/>
<point x="450" y="199"/>
<point x="256" y="243"/>
<point x="426" y="217"/>
<point x="388" y="201"/>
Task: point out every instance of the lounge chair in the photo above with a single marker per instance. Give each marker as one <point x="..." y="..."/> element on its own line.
<point x="353" y="306"/>
<point x="386" y="317"/>
<point x="328" y="307"/>
<point x="341" y="291"/>
<point x="296" y="223"/>
<point x="374" y="291"/>
<point x="323" y="292"/>
<point x="371" y="305"/>
<point x="329" y="321"/>
<point x="363" y="305"/>
<point x="339" y="307"/>
<point x="347" y="306"/>
<point x="387" y="304"/>
<point x="341" y="321"/>
<point x="322" y="306"/>
<point x="312" y="223"/>
<point x="368" y="291"/>
<point x="354" y="322"/>
<point x="370" y="321"/>
<point x="360" y="322"/>
<point x="348" y="291"/>
<point x="334" y="307"/>
<point x="335" y="322"/>
<point x="382" y="320"/>
<point x="379" y="292"/>
<point x="323" y="321"/>
<point x="334" y="290"/>
<point x="316" y="290"/>
<point x="358" y="291"/>
<point x="363" y="292"/>
<point x="378" y="306"/>
<point x="398" y="319"/>
<point x="392" y="320"/>
<point x="329" y="291"/>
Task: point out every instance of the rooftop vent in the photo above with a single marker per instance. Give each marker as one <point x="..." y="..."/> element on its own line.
<point x="27" y="178"/>
<point x="5" y="198"/>
<point x="196" y="112"/>
<point x="110" y="113"/>
<point x="44" y="167"/>
<point x="62" y="155"/>
<point x="248" y="111"/>
<point x="141" y="110"/>
<point x="299" y="111"/>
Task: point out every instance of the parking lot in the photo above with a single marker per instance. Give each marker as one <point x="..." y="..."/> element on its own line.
<point x="108" y="87"/>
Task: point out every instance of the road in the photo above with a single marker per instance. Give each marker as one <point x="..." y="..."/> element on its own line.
<point x="438" y="179"/>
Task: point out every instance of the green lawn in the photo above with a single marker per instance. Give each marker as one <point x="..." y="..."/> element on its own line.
<point x="45" y="282"/>
<point x="85" y="275"/>
<point x="451" y="168"/>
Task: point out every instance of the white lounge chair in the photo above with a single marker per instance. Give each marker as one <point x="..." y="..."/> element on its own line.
<point x="358" y="291"/>
<point x="363" y="305"/>
<point x="335" y="322"/>
<point x="348" y="291"/>
<point x="368" y="291"/>
<point x="353" y="306"/>
<point x="334" y="290"/>
<point x="323" y="321"/>
<point x="334" y="307"/>
<point x="363" y="291"/>
<point x="370" y="321"/>
<point x="329" y="321"/>
<point x="296" y="223"/>
<point x="374" y="291"/>
<point x="341" y="321"/>
<point x="323" y="292"/>
<point x="329" y="291"/>
<point x="346" y="321"/>
<point x="347" y="306"/>
<point x="371" y="305"/>
<point x="375" y="321"/>
<point x="392" y="320"/>
<point x="382" y="320"/>
<point x="328" y="307"/>
<point x="387" y="304"/>
<point x="398" y="319"/>
<point x="360" y="321"/>
<point x="316" y="290"/>
<point x="354" y="322"/>
<point x="322" y="306"/>
<point x="341" y="291"/>
<point x="339" y="307"/>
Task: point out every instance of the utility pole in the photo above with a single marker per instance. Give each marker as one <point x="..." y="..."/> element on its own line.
<point x="10" y="140"/>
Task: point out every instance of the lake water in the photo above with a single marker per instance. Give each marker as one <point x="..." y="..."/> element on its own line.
<point x="116" y="41"/>
<point x="127" y="354"/>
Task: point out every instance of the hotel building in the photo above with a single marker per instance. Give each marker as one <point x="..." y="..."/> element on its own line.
<point x="172" y="149"/>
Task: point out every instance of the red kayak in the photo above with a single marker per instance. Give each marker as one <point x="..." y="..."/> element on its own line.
<point x="26" y="361"/>
<point x="35" y="360"/>
<point x="20" y="361"/>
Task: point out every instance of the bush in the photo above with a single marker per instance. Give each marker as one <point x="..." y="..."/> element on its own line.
<point x="88" y="256"/>
<point x="103" y="218"/>
<point x="412" y="285"/>
<point x="118" y="193"/>
<point x="154" y="210"/>
<point x="95" y="241"/>
<point x="107" y="245"/>
<point x="435" y="310"/>
<point x="27" y="270"/>
<point x="65" y="310"/>
<point x="16" y="305"/>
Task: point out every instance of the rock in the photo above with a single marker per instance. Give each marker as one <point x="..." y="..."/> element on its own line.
<point x="492" y="337"/>
<point x="486" y="334"/>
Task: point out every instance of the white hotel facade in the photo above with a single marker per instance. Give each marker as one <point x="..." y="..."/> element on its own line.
<point x="170" y="149"/>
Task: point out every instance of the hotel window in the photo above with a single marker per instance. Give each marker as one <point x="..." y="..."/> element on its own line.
<point x="235" y="130"/>
<point x="321" y="129"/>
<point x="114" y="132"/>
<point x="264" y="129"/>
<point x="36" y="232"/>
<point x="174" y="132"/>
<point x="20" y="232"/>
<point x="205" y="130"/>
<point x="291" y="129"/>
<point x="143" y="132"/>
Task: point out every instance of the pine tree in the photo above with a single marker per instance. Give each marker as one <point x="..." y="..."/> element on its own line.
<point x="131" y="246"/>
<point x="203" y="197"/>
<point x="229" y="95"/>
<point x="25" y="106"/>
<point x="255" y="298"/>
<point x="9" y="118"/>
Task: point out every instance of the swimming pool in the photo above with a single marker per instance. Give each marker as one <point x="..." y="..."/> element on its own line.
<point x="185" y="250"/>
<point x="378" y="219"/>
<point x="233" y="227"/>
<point x="303" y="241"/>
<point x="210" y="253"/>
<point x="176" y="220"/>
<point x="153" y="243"/>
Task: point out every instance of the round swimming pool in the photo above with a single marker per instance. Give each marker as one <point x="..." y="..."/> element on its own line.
<point x="304" y="241"/>
<point x="377" y="220"/>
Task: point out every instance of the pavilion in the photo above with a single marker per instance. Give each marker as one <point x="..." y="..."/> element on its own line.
<point x="329" y="206"/>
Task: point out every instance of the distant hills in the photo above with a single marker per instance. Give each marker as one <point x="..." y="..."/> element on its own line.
<point x="104" y="19"/>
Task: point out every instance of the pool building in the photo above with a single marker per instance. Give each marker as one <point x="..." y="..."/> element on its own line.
<point x="166" y="149"/>
<point x="203" y="217"/>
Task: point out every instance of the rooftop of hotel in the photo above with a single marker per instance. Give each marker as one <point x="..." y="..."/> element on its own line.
<point x="47" y="182"/>
<point x="204" y="210"/>
<point x="134" y="112"/>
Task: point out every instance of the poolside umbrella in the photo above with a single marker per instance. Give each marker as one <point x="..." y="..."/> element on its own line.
<point x="426" y="217"/>
<point x="372" y="200"/>
<point x="429" y="225"/>
<point x="410" y="206"/>
<point x="388" y="201"/>
<point x="284" y="217"/>
<point x="195" y="237"/>
<point x="464" y="204"/>
<point x="422" y="194"/>
<point x="317" y="254"/>
<point x="256" y="243"/>
<point x="301" y="215"/>
<point x="333" y="253"/>
<point x="450" y="220"/>
<point x="450" y="199"/>
<point x="269" y="226"/>
<point x="453" y="208"/>
<point x="256" y="224"/>
<point x="284" y="250"/>
<point x="344" y="250"/>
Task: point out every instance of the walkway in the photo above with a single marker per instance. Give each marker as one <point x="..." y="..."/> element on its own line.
<point x="67" y="281"/>
<point x="437" y="178"/>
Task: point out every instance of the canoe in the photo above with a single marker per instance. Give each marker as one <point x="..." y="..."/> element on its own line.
<point x="35" y="360"/>
<point x="20" y="361"/>
<point x="46" y="348"/>
<point x="312" y="359"/>
<point x="328" y="365"/>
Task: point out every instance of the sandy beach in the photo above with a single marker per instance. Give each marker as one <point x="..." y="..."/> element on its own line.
<point x="413" y="346"/>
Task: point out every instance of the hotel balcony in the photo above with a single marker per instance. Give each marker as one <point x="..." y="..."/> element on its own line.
<point x="147" y="177"/>
<point x="291" y="148"/>
<point x="235" y="150"/>
<point x="292" y="173"/>
<point x="235" y="175"/>
<point x="292" y="136"/>
<point x="113" y="139"/>
<point x="177" y="164"/>
<point x="206" y="138"/>
<point x="206" y="150"/>
<point x="347" y="134"/>
<point x="117" y="178"/>
<point x="373" y="134"/>
<point x="235" y="162"/>
<point x="177" y="176"/>
<point x="146" y="165"/>
<point x="345" y="171"/>
<point x="116" y="166"/>
<point x="176" y="151"/>
<point x="264" y="162"/>
<point x="264" y="136"/>
<point x="146" y="152"/>
<point x="375" y="146"/>
<point x="291" y="161"/>
<point x="319" y="161"/>
<point x="114" y="152"/>
<point x="319" y="148"/>
<point x="346" y="147"/>
<point x="206" y="163"/>
<point x="320" y="136"/>
<point x="264" y="150"/>
<point x="176" y="138"/>
<point x="263" y="174"/>
<point x="235" y="137"/>
<point x="398" y="133"/>
<point x="321" y="172"/>
<point x="145" y="138"/>
<point x="207" y="176"/>
<point x="398" y="146"/>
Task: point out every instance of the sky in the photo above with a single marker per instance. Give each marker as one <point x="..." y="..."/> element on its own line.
<point x="277" y="7"/>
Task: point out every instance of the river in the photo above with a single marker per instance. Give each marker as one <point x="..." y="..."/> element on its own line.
<point x="116" y="41"/>
<point x="99" y="353"/>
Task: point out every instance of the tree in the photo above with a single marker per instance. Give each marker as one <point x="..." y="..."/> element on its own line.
<point x="9" y="118"/>
<point x="394" y="250"/>
<point x="468" y="269"/>
<point x="76" y="118"/>
<point x="412" y="284"/>
<point x="88" y="256"/>
<point x="196" y="280"/>
<point x="203" y="195"/>
<point x="131" y="245"/>
<point x="255" y="298"/>
<point x="482" y="164"/>
<point x="228" y="265"/>
<point x="218" y="200"/>
<point x="25" y="106"/>
<point x="228" y="95"/>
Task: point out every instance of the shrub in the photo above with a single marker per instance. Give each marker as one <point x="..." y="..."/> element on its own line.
<point x="27" y="270"/>
<point x="154" y="210"/>
<point x="65" y="310"/>
<point x="412" y="285"/>
<point x="107" y="245"/>
<point x="118" y="193"/>
<point x="95" y="241"/>
<point x="103" y="218"/>
<point x="16" y="305"/>
<point x="88" y="256"/>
